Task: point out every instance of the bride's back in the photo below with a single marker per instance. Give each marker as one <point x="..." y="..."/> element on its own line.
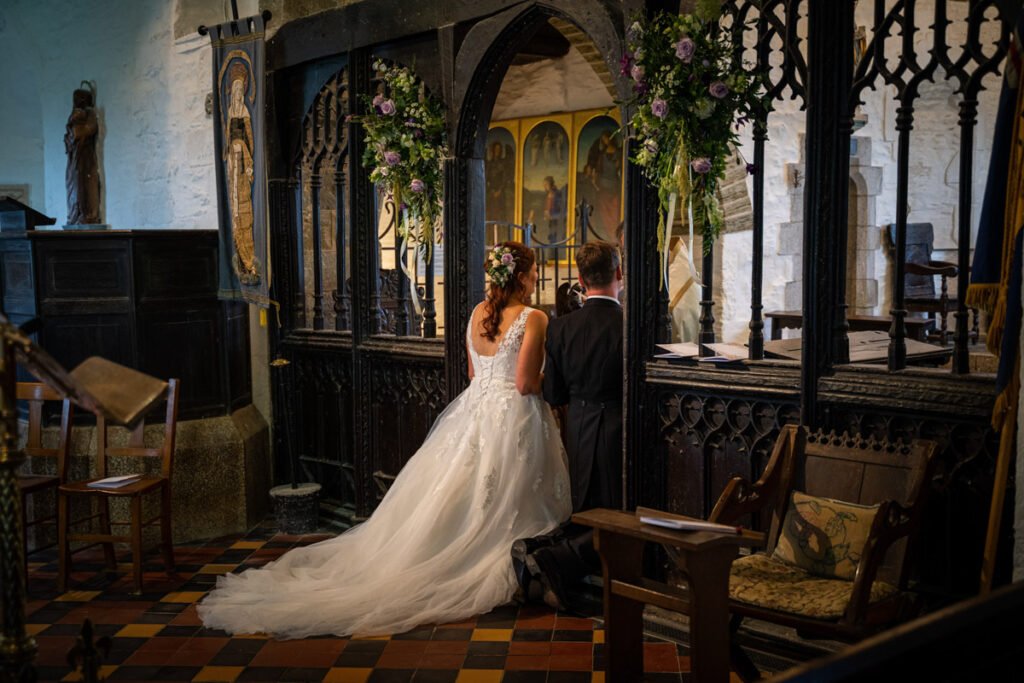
<point x="497" y="359"/>
<point x="481" y="344"/>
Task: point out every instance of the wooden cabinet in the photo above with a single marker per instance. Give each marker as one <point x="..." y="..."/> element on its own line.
<point x="143" y="298"/>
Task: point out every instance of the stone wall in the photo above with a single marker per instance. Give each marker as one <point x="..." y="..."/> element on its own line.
<point x="221" y="478"/>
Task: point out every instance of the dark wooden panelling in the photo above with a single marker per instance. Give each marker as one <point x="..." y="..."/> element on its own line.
<point x="234" y="351"/>
<point x="319" y="407"/>
<point x="73" y="338"/>
<point x="143" y="298"/>
<point x="18" y="279"/>
<point x="174" y="270"/>
<point x="185" y="344"/>
<point x="83" y="272"/>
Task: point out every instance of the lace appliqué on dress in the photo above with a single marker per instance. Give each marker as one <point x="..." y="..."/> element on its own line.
<point x="490" y="482"/>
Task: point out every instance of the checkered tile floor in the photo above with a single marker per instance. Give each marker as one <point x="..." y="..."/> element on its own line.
<point x="157" y="636"/>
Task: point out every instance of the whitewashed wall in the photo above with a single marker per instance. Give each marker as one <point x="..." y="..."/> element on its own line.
<point x="155" y="140"/>
<point x="21" y="131"/>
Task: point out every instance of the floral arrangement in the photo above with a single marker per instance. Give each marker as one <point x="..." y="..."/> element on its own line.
<point x="691" y="94"/>
<point x="501" y="264"/>
<point x="405" y="145"/>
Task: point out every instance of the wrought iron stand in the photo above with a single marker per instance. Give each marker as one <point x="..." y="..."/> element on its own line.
<point x="17" y="647"/>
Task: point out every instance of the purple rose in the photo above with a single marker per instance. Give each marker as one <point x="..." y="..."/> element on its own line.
<point x="718" y="89"/>
<point x="378" y="99"/>
<point x="637" y="72"/>
<point x="751" y="169"/>
<point x="387" y="107"/>
<point x="641" y="88"/>
<point x="417" y="185"/>
<point x="701" y="165"/>
<point x="506" y="258"/>
<point x="659" y="107"/>
<point x="685" y="49"/>
<point x="392" y="158"/>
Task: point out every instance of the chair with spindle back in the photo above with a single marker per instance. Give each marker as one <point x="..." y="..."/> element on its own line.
<point x="919" y="280"/>
<point x="134" y="492"/>
<point x="30" y="483"/>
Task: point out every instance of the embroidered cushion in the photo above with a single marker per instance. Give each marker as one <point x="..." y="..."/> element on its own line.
<point x="767" y="582"/>
<point x="825" y="537"/>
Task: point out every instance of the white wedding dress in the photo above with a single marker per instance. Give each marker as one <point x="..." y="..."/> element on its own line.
<point x="437" y="549"/>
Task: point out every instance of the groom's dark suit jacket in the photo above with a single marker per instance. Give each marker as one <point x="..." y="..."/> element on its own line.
<point x="584" y="370"/>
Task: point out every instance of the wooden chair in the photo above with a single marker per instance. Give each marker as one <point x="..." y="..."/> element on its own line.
<point x="30" y="483"/>
<point x="864" y="472"/>
<point x="134" y="492"/>
<point x="919" y="280"/>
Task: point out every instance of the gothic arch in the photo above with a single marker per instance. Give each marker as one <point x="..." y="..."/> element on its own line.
<point x="480" y="65"/>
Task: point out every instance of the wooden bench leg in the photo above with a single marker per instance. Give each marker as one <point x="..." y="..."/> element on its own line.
<point x="622" y="558"/>
<point x="24" y="539"/>
<point x="108" y="548"/>
<point x="709" y="613"/>
<point x="166" y="542"/>
<point x="63" y="552"/>
<point x="137" y="543"/>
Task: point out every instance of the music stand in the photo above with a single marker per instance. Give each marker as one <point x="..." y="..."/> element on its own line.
<point x="97" y="385"/>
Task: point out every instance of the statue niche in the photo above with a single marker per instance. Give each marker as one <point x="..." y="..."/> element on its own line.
<point x="82" y="177"/>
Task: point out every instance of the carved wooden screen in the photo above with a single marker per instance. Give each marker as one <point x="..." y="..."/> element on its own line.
<point x="319" y="172"/>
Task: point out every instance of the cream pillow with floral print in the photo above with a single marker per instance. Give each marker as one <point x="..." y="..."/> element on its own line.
<point x="824" y="537"/>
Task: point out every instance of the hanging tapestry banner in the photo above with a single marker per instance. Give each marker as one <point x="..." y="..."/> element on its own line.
<point x="238" y="114"/>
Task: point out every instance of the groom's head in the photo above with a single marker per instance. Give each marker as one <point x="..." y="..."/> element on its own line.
<point x="599" y="269"/>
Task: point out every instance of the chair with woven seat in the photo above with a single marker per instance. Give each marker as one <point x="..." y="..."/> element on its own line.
<point x="840" y="515"/>
<point x="31" y="483"/>
<point x="155" y="484"/>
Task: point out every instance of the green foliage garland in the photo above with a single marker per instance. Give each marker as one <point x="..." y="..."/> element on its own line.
<point x="691" y="94"/>
<point x="405" y="147"/>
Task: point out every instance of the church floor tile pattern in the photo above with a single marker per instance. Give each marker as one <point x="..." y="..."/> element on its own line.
<point x="157" y="636"/>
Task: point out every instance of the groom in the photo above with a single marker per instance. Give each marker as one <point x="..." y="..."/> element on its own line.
<point x="584" y="370"/>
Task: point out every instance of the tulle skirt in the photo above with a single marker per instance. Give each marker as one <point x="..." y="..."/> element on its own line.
<point x="436" y="550"/>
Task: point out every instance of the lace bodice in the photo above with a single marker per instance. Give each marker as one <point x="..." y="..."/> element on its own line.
<point x="501" y="366"/>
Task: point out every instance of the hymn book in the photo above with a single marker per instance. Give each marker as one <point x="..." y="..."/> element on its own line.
<point x="114" y="482"/>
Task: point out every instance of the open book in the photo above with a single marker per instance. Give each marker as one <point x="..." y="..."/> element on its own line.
<point x="114" y="482"/>
<point x="97" y="384"/>
<point x="690" y="524"/>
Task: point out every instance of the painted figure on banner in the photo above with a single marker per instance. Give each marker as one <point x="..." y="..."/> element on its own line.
<point x="82" y="177"/>
<point x="238" y="156"/>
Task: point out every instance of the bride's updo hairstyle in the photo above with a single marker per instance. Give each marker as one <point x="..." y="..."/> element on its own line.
<point x="503" y="266"/>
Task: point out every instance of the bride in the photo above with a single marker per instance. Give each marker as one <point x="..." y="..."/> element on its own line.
<point x="437" y="549"/>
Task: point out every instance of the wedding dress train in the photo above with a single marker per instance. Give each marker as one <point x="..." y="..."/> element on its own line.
<point x="491" y="470"/>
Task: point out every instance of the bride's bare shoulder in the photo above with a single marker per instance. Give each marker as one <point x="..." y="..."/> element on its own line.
<point x="536" y="318"/>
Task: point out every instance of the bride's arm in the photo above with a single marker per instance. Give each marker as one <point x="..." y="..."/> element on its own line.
<point x="531" y="355"/>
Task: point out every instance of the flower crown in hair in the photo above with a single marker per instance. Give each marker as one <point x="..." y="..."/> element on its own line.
<point x="500" y="265"/>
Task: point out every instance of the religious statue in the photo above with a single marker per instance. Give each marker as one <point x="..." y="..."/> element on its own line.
<point x="239" y="158"/>
<point x="83" y="175"/>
